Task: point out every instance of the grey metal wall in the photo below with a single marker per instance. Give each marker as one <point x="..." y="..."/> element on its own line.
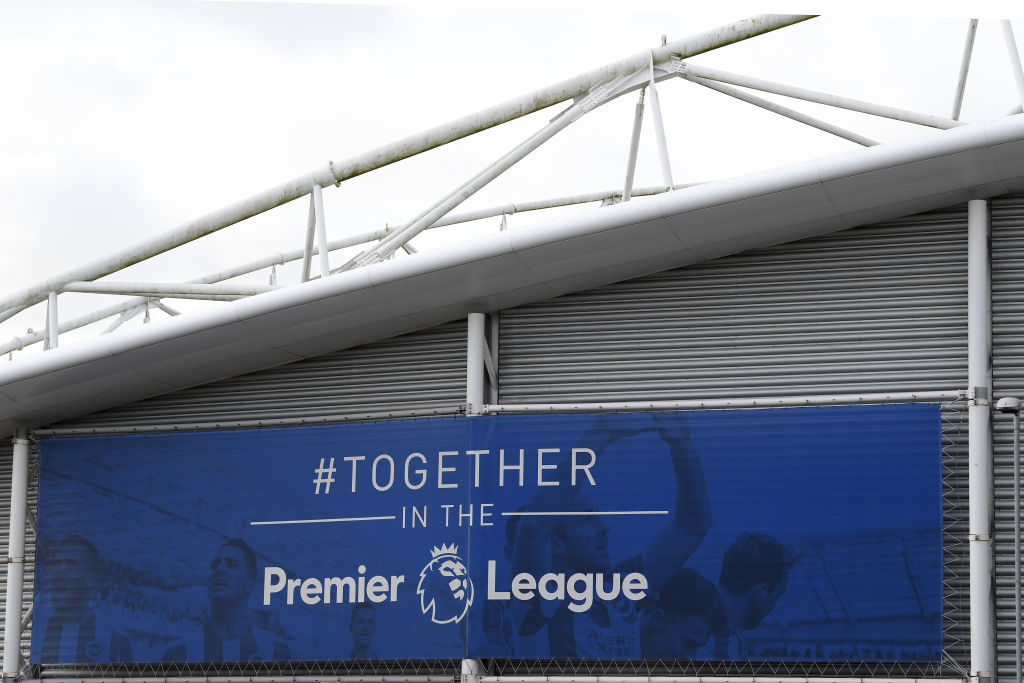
<point x="6" y="460"/>
<point x="1008" y="380"/>
<point x="879" y="308"/>
<point x="874" y="309"/>
<point x="420" y="371"/>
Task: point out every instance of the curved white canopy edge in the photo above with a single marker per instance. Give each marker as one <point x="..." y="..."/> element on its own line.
<point x="515" y="267"/>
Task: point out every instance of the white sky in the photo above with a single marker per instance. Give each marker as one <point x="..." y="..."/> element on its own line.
<point x="122" y="120"/>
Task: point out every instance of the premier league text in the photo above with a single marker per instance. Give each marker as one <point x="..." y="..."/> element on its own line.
<point x="579" y="589"/>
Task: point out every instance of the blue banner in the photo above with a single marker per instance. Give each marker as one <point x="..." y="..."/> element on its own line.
<point x="810" y="534"/>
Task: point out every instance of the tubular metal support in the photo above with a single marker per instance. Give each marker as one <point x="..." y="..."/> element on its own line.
<point x="11" y="312"/>
<point x="395" y="240"/>
<point x="19" y="343"/>
<point x="16" y="556"/>
<point x="1014" y="55"/>
<point x="172" y="290"/>
<point x="334" y="173"/>
<point x="52" y="321"/>
<point x="634" y="146"/>
<point x="390" y="244"/>
<point x="785" y="111"/>
<point x="724" y="403"/>
<point x="688" y="70"/>
<point x="705" y="679"/>
<point x="979" y="351"/>
<point x="307" y="250"/>
<point x="1016" y="540"/>
<point x="321" y="231"/>
<point x="659" y="131"/>
<point x="965" y="65"/>
<point x="476" y="345"/>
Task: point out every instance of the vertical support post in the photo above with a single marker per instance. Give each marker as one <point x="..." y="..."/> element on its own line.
<point x="472" y="670"/>
<point x="307" y="249"/>
<point x="51" y="321"/>
<point x="965" y="65"/>
<point x="493" y="346"/>
<point x="1016" y="539"/>
<point x="634" y="146"/>
<point x="1014" y="55"/>
<point x="321" y="231"/>
<point x="16" y="556"/>
<point x="475" y="346"/>
<point x="659" y="132"/>
<point x="980" y="485"/>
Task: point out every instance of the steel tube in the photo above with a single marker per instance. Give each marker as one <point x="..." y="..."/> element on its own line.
<point x="785" y="111"/>
<point x="394" y="241"/>
<point x="321" y="231"/>
<point x="125" y="317"/>
<point x="16" y="556"/>
<point x="407" y="147"/>
<point x="323" y="678"/>
<point x="249" y="424"/>
<point x="573" y="678"/>
<point x="19" y="343"/>
<point x="979" y="351"/>
<point x="1014" y="55"/>
<point x="724" y="403"/>
<point x="307" y="250"/>
<point x="149" y="289"/>
<point x="475" y="346"/>
<point x="1016" y="538"/>
<point x="11" y="312"/>
<point x="965" y="65"/>
<point x="634" y="147"/>
<point x="564" y="90"/>
<point x="659" y="134"/>
<point x="688" y="70"/>
<point x="52" y="321"/>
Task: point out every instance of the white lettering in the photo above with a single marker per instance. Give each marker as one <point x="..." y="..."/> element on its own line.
<point x="311" y="589"/>
<point x="422" y="472"/>
<point x="391" y="471"/>
<point x="545" y="591"/>
<point x="492" y="592"/>
<point x="522" y="586"/>
<point x="476" y="466"/>
<point x="273" y="582"/>
<point x="441" y="469"/>
<point x="634" y="585"/>
<point x="502" y="466"/>
<point x="585" y="468"/>
<point x="541" y="466"/>
<point x="354" y="459"/>
<point x="583" y="598"/>
<point x="580" y="587"/>
<point x="332" y="589"/>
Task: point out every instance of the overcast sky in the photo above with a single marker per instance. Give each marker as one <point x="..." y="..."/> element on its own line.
<point x="122" y="120"/>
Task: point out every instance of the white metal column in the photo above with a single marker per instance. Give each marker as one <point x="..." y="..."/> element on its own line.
<point x="979" y="355"/>
<point x="16" y="557"/>
<point x="476" y="343"/>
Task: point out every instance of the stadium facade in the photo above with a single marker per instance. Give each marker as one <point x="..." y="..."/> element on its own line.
<point x="889" y="275"/>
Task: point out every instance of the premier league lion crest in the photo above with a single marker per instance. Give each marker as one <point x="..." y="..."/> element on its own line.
<point x="445" y="589"/>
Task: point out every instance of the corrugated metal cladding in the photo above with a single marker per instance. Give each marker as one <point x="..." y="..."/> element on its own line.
<point x="875" y="309"/>
<point x="1007" y="380"/>
<point x="423" y="370"/>
<point x="6" y="458"/>
<point x="878" y="308"/>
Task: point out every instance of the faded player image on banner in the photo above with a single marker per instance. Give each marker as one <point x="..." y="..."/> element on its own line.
<point x="726" y="535"/>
